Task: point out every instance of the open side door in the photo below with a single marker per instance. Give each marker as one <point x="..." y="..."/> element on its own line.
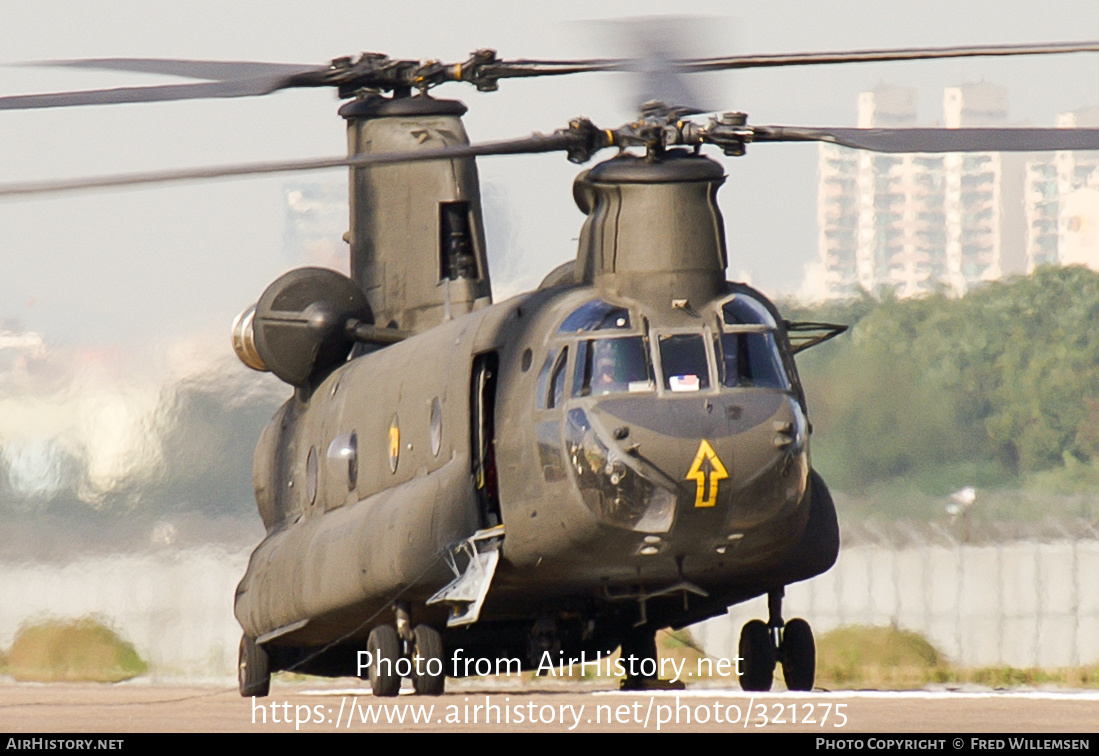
<point x="483" y="441"/>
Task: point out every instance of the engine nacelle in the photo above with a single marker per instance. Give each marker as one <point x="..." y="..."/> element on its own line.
<point x="302" y="326"/>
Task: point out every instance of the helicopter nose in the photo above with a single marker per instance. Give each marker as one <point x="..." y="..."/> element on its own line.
<point x="733" y="460"/>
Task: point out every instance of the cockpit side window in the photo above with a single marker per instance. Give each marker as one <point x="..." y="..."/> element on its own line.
<point x="542" y="390"/>
<point x="749" y="359"/>
<point x="557" y="392"/>
<point x="747" y="350"/>
<point x="683" y="359"/>
<point x="551" y="379"/>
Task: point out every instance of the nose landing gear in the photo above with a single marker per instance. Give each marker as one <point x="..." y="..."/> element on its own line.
<point x="762" y="645"/>
<point x="799" y="655"/>
<point x="757" y="656"/>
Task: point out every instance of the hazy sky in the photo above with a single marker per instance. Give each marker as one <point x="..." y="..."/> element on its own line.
<point x="124" y="267"/>
<point x="142" y="266"/>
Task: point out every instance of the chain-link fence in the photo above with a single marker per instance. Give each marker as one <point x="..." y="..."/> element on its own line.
<point x="982" y="601"/>
<point x="982" y="596"/>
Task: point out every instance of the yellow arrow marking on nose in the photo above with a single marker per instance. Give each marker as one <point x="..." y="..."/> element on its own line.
<point x="706" y="479"/>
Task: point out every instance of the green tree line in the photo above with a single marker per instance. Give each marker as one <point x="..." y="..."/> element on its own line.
<point x="998" y="385"/>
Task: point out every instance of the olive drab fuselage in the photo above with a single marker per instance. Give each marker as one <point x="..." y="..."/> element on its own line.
<point x="633" y="434"/>
<point x="365" y="484"/>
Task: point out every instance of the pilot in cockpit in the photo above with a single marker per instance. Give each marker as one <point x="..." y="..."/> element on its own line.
<point x="619" y="365"/>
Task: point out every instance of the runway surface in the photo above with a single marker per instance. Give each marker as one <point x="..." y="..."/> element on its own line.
<point x="473" y="707"/>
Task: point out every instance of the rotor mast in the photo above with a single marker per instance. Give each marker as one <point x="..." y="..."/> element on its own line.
<point x="654" y="229"/>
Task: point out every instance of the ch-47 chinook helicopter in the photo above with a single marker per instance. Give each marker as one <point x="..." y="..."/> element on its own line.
<point x="623" y="449"/>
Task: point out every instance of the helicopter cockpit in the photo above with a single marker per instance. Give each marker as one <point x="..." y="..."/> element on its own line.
<point x="619" y="359"/>
<point x="612" y="357"/>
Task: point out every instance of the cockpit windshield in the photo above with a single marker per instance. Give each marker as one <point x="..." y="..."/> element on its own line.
<point x="683" y="359"/>
<point x="607" y="366"/>
<point x="737" y="349"/>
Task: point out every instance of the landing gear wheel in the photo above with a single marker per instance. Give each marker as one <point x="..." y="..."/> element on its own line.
<point x="428" y="673"/>
<point x="385" y="649"/>
<point x="757" y="657"/>
<point x="799" y="655"/>
<point x="253" y="669"/>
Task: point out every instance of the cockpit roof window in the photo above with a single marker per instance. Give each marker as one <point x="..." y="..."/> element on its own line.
<point x="744" y="310"/>
<point x="596" y="315"/>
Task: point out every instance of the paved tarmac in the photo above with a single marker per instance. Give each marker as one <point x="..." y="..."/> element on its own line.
<point x="477" y="707"/>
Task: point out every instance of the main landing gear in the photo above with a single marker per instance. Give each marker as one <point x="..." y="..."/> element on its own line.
<point x="762" y="645"/>
<point x="397" y="652"/>
<point x="253" y="668"/>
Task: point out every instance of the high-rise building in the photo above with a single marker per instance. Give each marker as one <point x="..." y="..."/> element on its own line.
<point x="917" y="223"/>
<point x="985" y="223"/>
<point x="861" y="199"/>
<point x="838" y="222"/>
<point x="1062" y="202"/>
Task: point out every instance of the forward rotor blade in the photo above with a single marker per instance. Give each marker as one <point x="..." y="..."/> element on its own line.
<point x="937" y="140"/>
<point x="876" y="56"/>
<point x="211" y="70"/>
<point x="534" y="144"/>
<point x="521" y="68"/>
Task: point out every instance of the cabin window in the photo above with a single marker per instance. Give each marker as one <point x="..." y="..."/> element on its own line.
<point x="436" y="426"/>
<point x="343" y="460"/>
<point x="311" y="476"/>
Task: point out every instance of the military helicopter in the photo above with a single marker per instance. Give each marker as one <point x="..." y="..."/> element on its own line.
<point x="623" y="449"/>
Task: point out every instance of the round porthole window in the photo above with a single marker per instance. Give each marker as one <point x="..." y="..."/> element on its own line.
<point x="343" y="459"/>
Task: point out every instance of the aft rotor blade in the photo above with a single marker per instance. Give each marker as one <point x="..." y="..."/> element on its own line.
<point x="159" y="93"/>
<point x="936" y="140"/>
<point x="534" y="144"/>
